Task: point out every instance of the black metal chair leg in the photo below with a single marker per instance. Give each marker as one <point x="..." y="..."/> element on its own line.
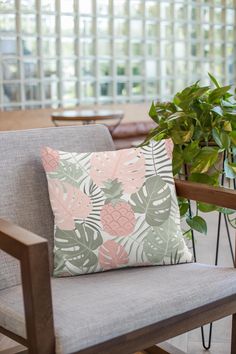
<point x="207" y="347"/>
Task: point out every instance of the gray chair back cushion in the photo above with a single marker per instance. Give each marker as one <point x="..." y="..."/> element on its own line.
<point x="23" y="186"/>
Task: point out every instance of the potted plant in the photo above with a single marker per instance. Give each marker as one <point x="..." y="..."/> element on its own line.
<point x="201" y="121"/>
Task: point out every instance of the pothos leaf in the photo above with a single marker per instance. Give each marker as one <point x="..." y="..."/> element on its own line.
<point x="212" y="180"/>
<point x="206" y="208"/>
<point x="191" y="151"/>
<point x="218" y="110"/>
<point x="225" y="210"/>
<point x="230" y="169"/>
<point x="183" y="208"/>
<point x="232" y="135"/>
<point x="204" y="160"/>
<point x="225" y="140"/>
<point x="197" y="223"/>
<point x="232" y="166"/>
<point x="152" y="112"/>
<point x="216" y="136"/>
<point x="177" y="161"/>
<point x="213" y="79"/>
<point x="227" y="126"/>
<point x="218" y="93"/>
<point x="221" y="138"/>
<point x="180" y="136"/>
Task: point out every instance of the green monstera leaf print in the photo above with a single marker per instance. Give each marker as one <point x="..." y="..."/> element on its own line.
<point x="75" y="250"/>
<point x="163" y="245"/>
<point x="68" y="172"/>
<point x="153" y="200"/>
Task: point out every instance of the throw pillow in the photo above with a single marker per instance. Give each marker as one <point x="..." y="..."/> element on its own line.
<point x="114" y="209"/>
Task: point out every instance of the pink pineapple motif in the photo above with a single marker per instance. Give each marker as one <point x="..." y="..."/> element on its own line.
<point x="118" y="172"/>
<point x="169" y="145"/>
<point x="112" y="255"/>
<point x="50" y="159"/>
<point x="118" y="219"/>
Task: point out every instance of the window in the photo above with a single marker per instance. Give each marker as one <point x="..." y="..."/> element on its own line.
<point x="69" y="52"/>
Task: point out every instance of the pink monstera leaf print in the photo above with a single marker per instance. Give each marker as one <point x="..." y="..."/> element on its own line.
<point x="169" y="147"/>
<point x="112" y="255"/>
<point x="68" y="203"/>
<point x="50" y="159"/>
<point x="127" y="166"/>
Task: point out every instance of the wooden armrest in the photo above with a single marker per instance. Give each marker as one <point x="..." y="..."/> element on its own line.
<point x="15" y="240"/>
<point x="32" y="251"/>
<point x="219" y="196"/>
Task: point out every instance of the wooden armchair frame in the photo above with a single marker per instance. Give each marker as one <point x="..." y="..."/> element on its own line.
<point x="32" y="252"/>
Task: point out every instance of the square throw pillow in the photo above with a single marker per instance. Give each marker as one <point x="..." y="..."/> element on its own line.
<point x="114" y="209"/>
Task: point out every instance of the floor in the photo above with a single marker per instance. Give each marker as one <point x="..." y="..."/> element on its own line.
<point x="191" y="342"/>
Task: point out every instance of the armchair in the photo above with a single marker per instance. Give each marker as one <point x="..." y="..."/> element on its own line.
<point x="122" y="311"/>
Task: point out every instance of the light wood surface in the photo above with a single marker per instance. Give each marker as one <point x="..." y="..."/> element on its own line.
<point x="163" y="348"/>
<point x="41" y="118"/>
<point x="6" y="343"/>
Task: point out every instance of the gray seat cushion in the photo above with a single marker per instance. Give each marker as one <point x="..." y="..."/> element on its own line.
<point x="91" y="309"/>
<point x="23" y="184"/>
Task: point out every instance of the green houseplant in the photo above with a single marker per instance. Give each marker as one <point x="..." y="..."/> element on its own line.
<point x="201" y="121"/>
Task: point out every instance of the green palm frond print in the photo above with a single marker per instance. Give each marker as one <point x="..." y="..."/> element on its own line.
<point x="157" y="162"/>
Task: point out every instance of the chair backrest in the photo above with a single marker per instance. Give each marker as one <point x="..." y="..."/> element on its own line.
<point x="23" y="186"/>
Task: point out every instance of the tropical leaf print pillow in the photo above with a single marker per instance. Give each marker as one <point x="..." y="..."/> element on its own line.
<point x="114" y="209"/>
